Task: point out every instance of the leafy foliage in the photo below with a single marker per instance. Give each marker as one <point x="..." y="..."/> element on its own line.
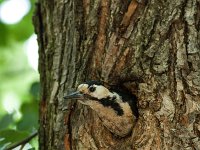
<point x="18" y="79"/>
<point x="6" y="120"/>
<point x="11" y="136"/>
<point x="24" y="126"/>
<point x="29" y="120"/>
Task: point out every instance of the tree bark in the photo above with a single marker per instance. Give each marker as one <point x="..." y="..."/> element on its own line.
<point x="151" y="47"/>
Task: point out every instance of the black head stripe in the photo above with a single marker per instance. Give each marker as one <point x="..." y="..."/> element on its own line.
<point x="93" y="83"/>
<point x="108" y="102"/>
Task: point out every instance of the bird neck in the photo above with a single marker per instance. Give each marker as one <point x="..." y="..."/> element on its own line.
<point x="114" y="96"/>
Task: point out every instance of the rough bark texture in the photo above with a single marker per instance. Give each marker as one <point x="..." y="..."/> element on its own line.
<point x="150" y="46"/>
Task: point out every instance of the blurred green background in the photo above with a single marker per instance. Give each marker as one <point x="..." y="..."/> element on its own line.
<point x="19" y="78"/>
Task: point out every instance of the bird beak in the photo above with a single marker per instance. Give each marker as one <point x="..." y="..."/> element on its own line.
<point x="75" y="95"/>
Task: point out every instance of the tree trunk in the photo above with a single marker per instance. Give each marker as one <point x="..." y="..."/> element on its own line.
<point x="151" y="47"/>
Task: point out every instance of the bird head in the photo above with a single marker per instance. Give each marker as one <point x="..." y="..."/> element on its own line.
<point x="116" y="115"/>
<point x="90" y="90"/>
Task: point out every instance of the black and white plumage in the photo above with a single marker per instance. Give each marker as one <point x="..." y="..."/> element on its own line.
<point x="117" y="109"/>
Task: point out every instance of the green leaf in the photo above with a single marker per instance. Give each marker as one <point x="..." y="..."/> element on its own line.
<point x="29" y="120"/>
<point x="32" y="148"/>
<point x="1" y="1"/>
<point x="22" y="30"/>
<point x="4" y="32"/>
<point x="19" y="32"/>
<point x="6" y="121"/>
<point x="11" y="136"/>
<point x="35" y="90"/>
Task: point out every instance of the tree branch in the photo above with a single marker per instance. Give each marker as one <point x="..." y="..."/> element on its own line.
<point x="24" y="141"/>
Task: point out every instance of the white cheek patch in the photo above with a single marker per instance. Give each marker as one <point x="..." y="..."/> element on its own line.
<point x="100" y="92"/>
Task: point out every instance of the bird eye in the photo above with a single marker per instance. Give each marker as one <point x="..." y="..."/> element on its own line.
<point x="92" y="89"/>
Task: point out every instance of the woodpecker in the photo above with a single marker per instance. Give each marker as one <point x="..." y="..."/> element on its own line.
<point x="116" y="109"/>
